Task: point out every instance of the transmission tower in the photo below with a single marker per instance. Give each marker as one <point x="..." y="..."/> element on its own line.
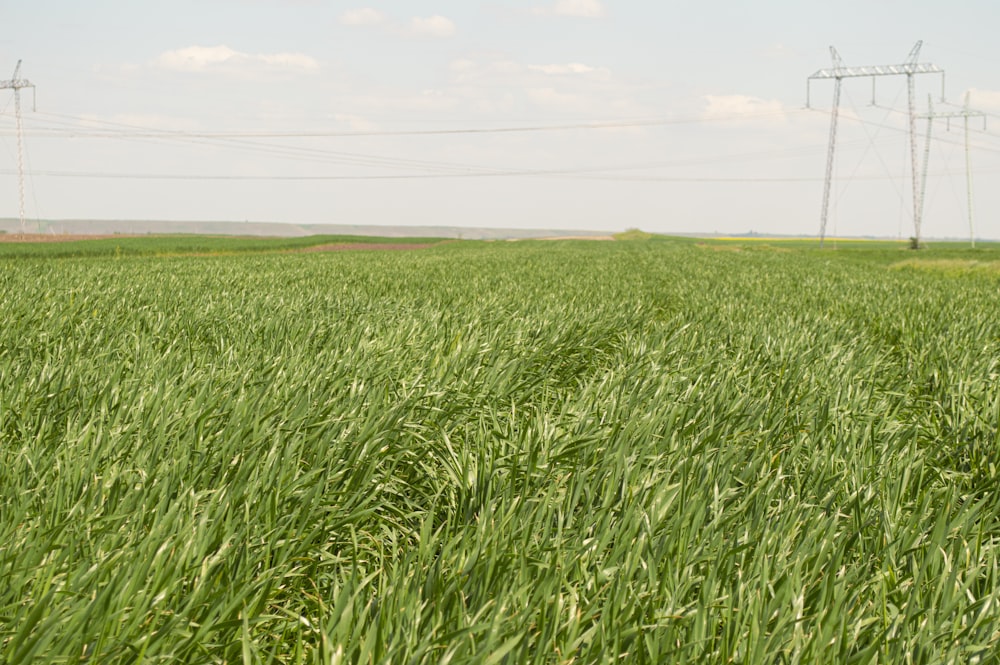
<point x="16" y="84"/>
<point x="964" y="114"/>
<point x="838" y="73"/>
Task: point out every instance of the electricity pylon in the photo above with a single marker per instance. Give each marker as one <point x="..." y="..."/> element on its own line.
<point x="838" y="72"/>
<point x="16" y="84"/>
<point x="965" y="114"/>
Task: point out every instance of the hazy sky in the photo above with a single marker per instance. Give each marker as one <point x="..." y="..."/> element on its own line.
<point x="692" y="113"/>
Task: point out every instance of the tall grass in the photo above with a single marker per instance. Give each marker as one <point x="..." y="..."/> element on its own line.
<point x="505" y="453"/>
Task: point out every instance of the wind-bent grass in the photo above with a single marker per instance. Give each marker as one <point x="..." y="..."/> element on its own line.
<point x="523" y="453"/>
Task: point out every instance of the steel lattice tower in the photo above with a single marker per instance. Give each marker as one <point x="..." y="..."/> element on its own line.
<point x="838" y="72"/>
<point x="17" y="84"/>
<point x="964" y="114"/>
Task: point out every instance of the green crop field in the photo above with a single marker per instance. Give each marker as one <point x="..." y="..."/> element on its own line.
<point x="645" y="451"/>
<point x="179" y="245"/>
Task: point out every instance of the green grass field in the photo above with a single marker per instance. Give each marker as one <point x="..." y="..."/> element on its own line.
<point x="646" y="451"/>
<point x="179" y="245"/>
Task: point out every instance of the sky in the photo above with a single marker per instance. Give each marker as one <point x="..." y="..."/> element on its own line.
<point x="604" y="115"/>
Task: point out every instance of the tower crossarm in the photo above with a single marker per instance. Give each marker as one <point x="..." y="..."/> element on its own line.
<point x="16" y="84"/>
<point x="953" y="114"/>
<point x="877" y="70"/>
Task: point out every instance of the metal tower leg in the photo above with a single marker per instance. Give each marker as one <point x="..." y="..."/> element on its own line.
<point x="20" y="156"/>
<point x="911" y="91"/>
<point x="927" y="154"/>
<point x="968" y="172"/>
<point x="834" y="115"/>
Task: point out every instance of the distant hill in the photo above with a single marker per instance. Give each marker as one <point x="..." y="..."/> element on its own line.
<point x="133" y="227"/>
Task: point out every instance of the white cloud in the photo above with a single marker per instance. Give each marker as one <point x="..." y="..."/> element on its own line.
<point x="288" y="60"/>
<point x="205" y="58"/>
<point x="363" y="16"/>
<point x="738" y="108"/>
<point x="495" y="83"/>
<point x="573" y="68"/>
<point x="582" y="8"/>
<point x="197" y="58"/>
<point x="578" y="8"/>
<point x="418" y="26"/>
<point x="432" y="26"/>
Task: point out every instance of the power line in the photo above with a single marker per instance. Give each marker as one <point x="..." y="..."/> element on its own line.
<point x="444" y="170"/>
<point x="441" y="169"/>
<point x="298" y="153"/>
<point x="576" y="174"/>
<point x="322" y="155"/>
<point x="428" y="170"/>
<point x="145" y="132"/>
<point x="935" y="138"/>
